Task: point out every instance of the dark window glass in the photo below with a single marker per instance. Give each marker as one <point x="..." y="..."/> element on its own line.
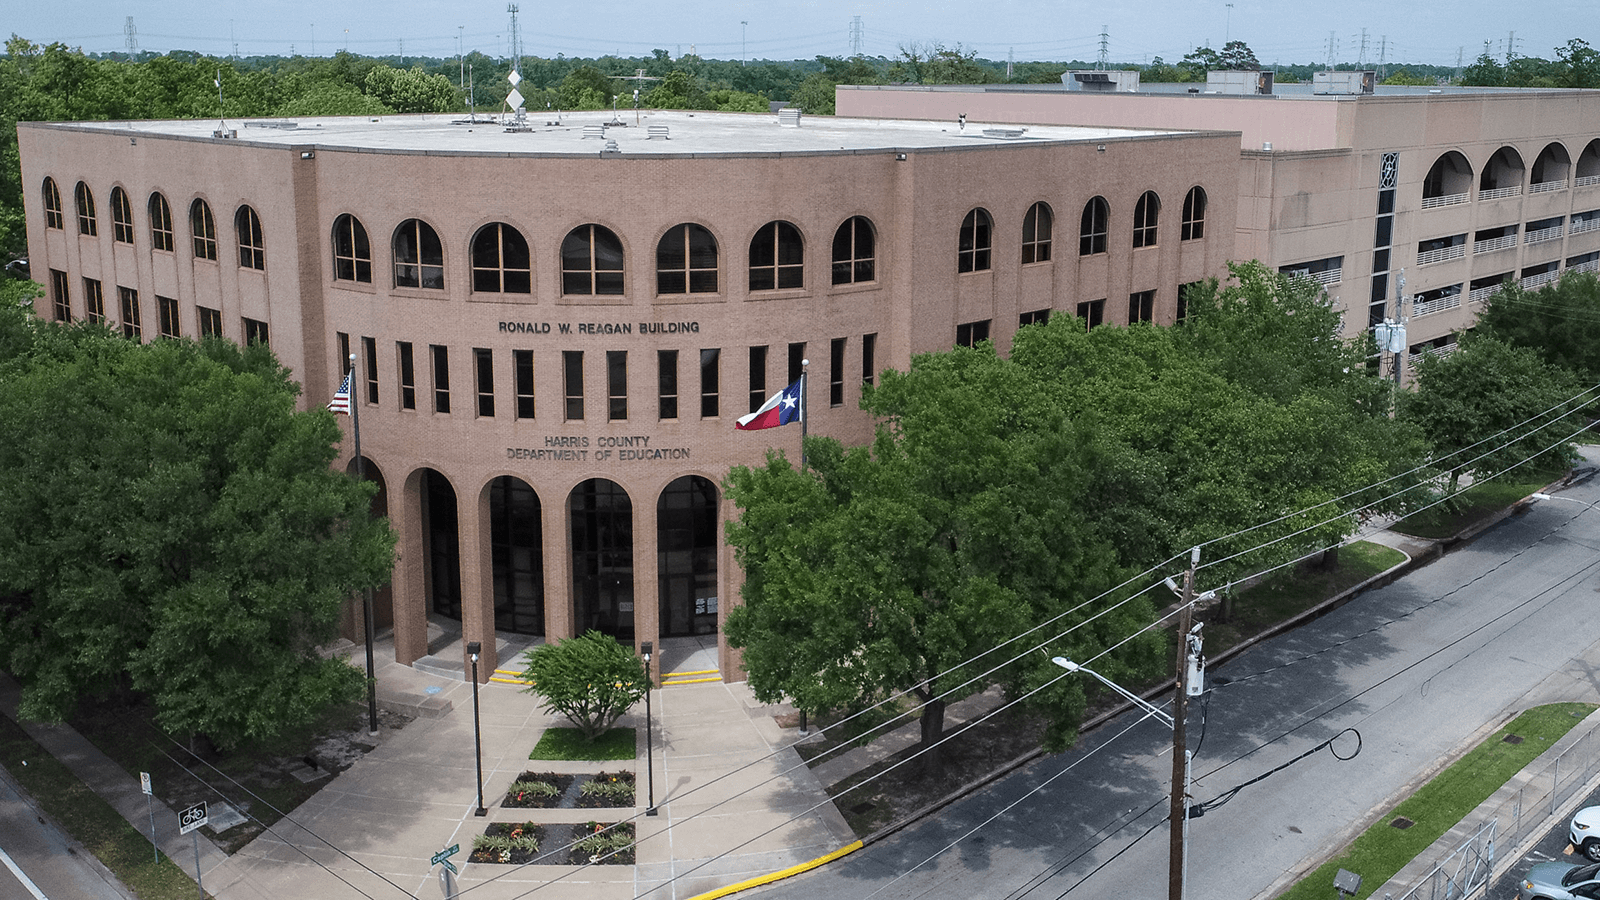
<point x="522" y="364"/>
<point x="591" y="261"/>
<point x="869" y="346"/>
<point x="686" y="261"/>
<point x="500" y="261"/>
<point x="252" y="255"/>
<point x="1146" y="213"/>
<point x="121" y="216"/>
<point x="484" y="360"/>
<point x="369" y="349"/>
<point x="161" y="224"/>
<point x="836" y="372"/>
<point x="441" y="378"/>
<point x="854" y="252"/>
<point x="758" y="377"/>
<point x="418" y="256"/>
<point x="710" y="383"/>
<point x="1036" y="229"/>
<point x="777" y="257"/>
<point x="1194" y="214"/>
<point x="352" y="254"/>
<point x="572" y="376"/>
<point x="1092" y="230"/>
<point x="617" y="385"/>
<point x="667" y="382"/>
<point x="408" y="375"/>
<point x="53" y="215"/>
<point x="972" y="251"/>
<point x="203" y="228"/>
<point x="87" y="223"/>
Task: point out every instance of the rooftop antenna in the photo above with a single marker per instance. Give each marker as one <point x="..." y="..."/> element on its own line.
<point x="131" y="35"/>
<point x="855" y="35"/>
<point x="1104" y="49"/>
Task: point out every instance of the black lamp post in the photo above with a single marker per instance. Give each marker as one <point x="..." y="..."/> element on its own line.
<point x="473" y="649"/>
<point x="649" y="733"/>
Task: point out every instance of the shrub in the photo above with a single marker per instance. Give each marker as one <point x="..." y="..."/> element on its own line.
<point x="592" y="680"/>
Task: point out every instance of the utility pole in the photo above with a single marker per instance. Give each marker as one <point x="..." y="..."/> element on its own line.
<point x="1178" y="870"/>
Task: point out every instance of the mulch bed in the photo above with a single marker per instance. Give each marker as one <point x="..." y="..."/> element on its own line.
<point x="600" y="802"/>
<point x="579" y="855"/>
<point x="511" y="857"/>
<point x="518" y="801"/>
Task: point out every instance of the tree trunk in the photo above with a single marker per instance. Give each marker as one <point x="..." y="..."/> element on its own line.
<point x="932" y="731"/>
<point x="1329" y="560"/>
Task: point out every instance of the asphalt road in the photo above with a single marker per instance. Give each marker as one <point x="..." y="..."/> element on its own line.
<point x="45" y="857"/>
<point x="1419" y="669"/>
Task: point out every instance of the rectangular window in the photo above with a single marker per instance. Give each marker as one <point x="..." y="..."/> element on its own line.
<point x="797" y="361"/>
<point x="94" y="302"/>
<point x="836" y="372"/>
<point x="59" y="298"/>
<point x="617" y="385"/>
<point x="667" y="382"/>
<point x="572" y="371"/>
<point x="344" y="354"/>
<point x="1092" y="312"/>
<point x="710" y="383"/>
<point x="522" y="373"/>
<point x="167" y="312"/>
<point x="210" y="321"/>
<point x="1142" y="307"/>
<point x="758" y="377"/>
<point x="485" y="363"/>
<point x="369" y="349"/>
<point x="441" y="378"/>
<point x="255" y="332"/>
<point x="869" y="346"/>
<point x="972" y="334"/>
<point x="408" y="375"/>
<point x="130" y="313"/>
<point x="1037" y="317"/>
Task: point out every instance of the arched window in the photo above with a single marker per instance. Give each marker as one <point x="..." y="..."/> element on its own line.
<point x="121" y="216"/>
<point x="252" y="255"/>
<point x="352" y="254"/>
<point x="1194" y="214"/>
<point x="777" y="257"/>
<point x="1036" y="227"/>
<point x="686" y="261"/>
<point x="86" y="220"/>
<point x="53" y="216"/>
<point x="855" y="253"/>
<point x="161" y="223"/>
<point x="591" y="261"/>
<point x="500" y="261"/>
<point x="1145" y="214"/>
<point x="418" y="256"/>
<point x="1092" y="234"/>
<point x="204" y="229"/>
<point x="972" y="251"/>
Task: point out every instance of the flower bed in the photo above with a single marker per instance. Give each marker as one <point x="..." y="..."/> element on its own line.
<point x="602" y="843"/>
<point x="537" y="790"/>
<point x="507" y="842"/>
<point x="607" y="790"/>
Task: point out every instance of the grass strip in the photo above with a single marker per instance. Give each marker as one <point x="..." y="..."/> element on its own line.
<point x="1383" y="850"/>
<point x="90" y="820"/>
<point x="568" y="743"/>
<point x="1474" y="504"/>
<point x="1291" y="591"/>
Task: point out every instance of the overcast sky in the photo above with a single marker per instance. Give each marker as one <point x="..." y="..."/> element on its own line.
<point x="1279" y="31"/>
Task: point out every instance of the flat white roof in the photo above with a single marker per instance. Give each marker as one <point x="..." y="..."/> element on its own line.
<point x="688" y="133"/>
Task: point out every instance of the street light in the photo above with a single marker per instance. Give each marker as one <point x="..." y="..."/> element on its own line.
<point x="649" y="735"/>
<point x="473" y="649"/>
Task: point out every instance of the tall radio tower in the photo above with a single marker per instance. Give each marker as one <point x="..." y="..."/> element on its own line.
<point x="516" y="40"/>
<point x="855" y="35"/>
<point x="131" y="36"/>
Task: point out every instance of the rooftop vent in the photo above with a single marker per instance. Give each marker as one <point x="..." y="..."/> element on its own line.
<point x="1004" y="134"/>
<point x="1097" y="81"/>
<point x="279" y="124"/>
<point x="225" y="133"/>
<point x="789" y="117"/>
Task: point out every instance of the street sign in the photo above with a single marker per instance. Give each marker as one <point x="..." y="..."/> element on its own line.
<point x="443" y="855"/>
<point x="144" y="783"/>
<point x="447" y="882"/>
<point x="451" y="866"/>
<point x="192" y="817"/>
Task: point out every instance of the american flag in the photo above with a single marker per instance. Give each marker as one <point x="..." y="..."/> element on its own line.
<point x="341" y="400"/>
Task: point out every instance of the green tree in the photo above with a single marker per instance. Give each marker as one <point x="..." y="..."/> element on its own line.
<point x="1560" y="321"/>
<point x="1470" y="398"/>
<point x="1161" y="72"/>
<point x="585" y="88"/>
<point x="1402" y="77"/>
<point x="410" y="90"/>
<point x="169" y="524"/>
<point x="1580" y="64"/>
<point x="591" y="679"/>
<point x="1201" y="60"/>
<point x="1485" y="72"/>
<point x="1237" y="55"/>
<point x="331" y="98"/>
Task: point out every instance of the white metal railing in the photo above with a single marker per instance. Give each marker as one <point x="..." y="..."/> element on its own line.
<point x="1497" y="193"/>
<point x="1454" y="251"/>
<point x="1482" y="295"/>
<point x="1592" y="265"/>
<point x="1326" y="276"/>
<point x="1579" y="226"/>
<point x="1545" y="186"/>
<point x="1533" y="281"/>
<point x="1499" y="243"/>
<point x="1542" y="235"/>
<point x="1586" y="180"/>
<point x="1415" y="359"/>
<point x="1446" y="200"/>
<point x="1429" y="307"/>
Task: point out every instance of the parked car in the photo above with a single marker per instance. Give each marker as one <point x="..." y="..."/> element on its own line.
<point x="1560" y="881"/>
<point x="1585" y="832"/>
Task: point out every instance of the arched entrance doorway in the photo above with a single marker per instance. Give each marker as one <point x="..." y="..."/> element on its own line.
<point x="602" y="558"/>
<point x="443" y="556"/>
<point x="686" y="538"/>
<point x="516" y="538"/>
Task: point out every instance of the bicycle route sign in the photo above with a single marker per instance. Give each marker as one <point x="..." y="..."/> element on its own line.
<point x="192" y="817"/>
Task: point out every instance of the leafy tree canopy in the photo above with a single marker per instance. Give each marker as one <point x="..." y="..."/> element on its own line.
<point x="591" y="679"/>
<point x="1560" y="321"/>
<point x="169" y="524"/>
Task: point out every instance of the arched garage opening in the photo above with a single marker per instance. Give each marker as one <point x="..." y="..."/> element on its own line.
<point x="601" y="516"/>
<point x="516" y="539"/>
<point x="686" y="540"/>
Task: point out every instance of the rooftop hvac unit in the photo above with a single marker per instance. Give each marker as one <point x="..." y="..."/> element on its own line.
<point x="1344" y="82"/>
<point x="1096" y="81"/>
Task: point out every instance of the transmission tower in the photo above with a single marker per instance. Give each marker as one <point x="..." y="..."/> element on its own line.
<point x="1361" y="58"/>
<point x="1383" y="57"/>
<point x="855" y="35"/>
<point x="1511" y="46"/>
<point x="131" y="35"/>
<point x="1333" y="43"/>
<point x="1105" y="52"/>
<point x="516" y="40"/>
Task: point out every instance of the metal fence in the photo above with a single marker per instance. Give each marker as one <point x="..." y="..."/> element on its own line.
<point x="1465" y="872"/>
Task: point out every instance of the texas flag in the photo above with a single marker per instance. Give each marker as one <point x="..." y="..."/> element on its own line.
<point x="787" y="405"/>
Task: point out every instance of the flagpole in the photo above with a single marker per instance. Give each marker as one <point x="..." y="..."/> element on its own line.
<point x="361" y="474"/>
<point x="803" y="364"/>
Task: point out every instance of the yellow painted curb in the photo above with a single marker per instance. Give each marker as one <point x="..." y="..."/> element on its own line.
<point x="691" y="681"/>
<point x="778" y="875"/>
<point x="509" y="681"/>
